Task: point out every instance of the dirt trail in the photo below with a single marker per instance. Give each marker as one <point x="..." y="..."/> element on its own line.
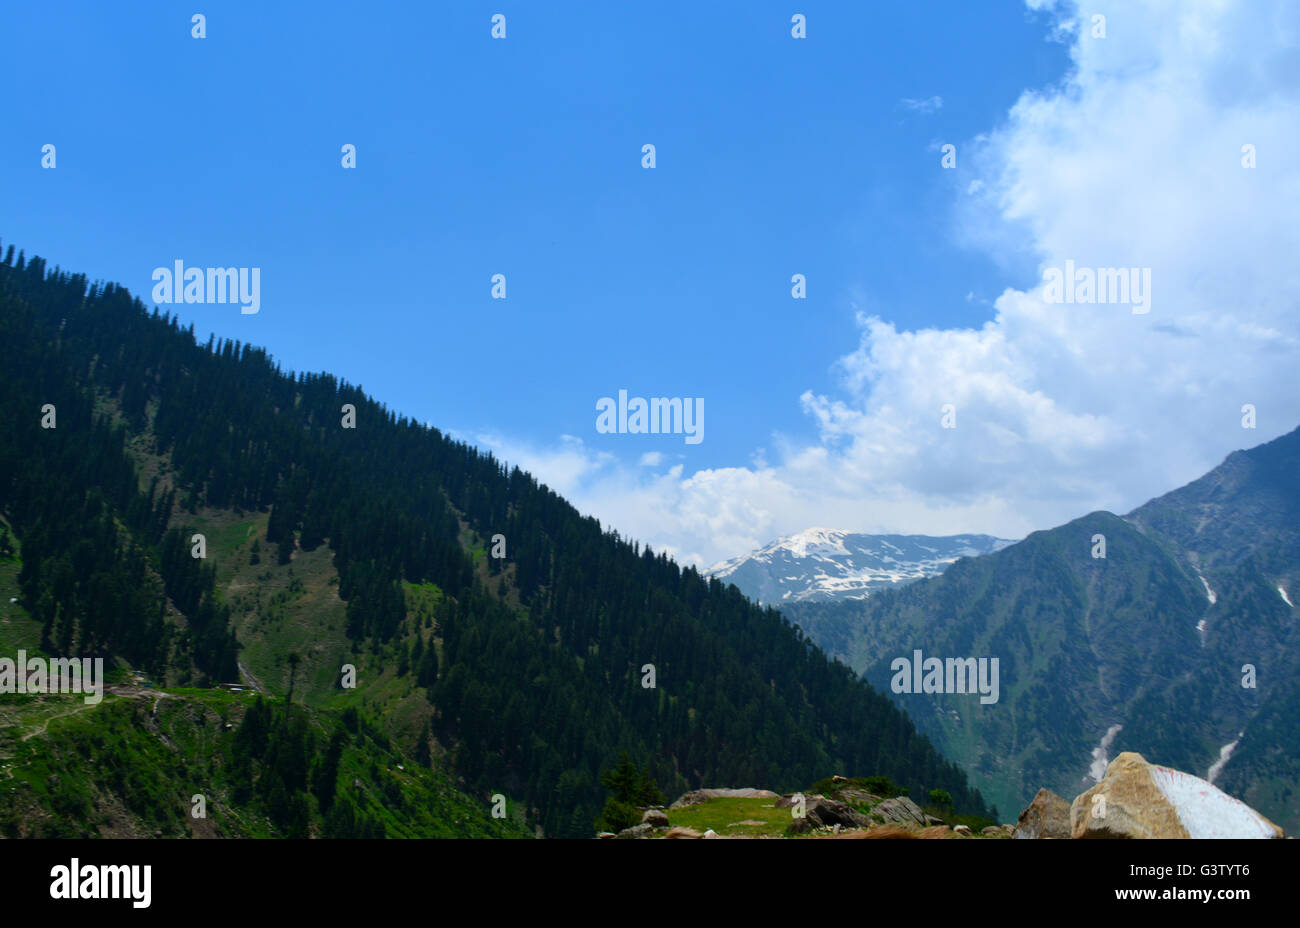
<point x="128" y="690"/>
<point x="46" y="723"/>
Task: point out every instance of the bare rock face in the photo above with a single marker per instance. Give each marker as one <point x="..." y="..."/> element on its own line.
<point x="857" y="796"/>
<point x="900" y="811"/>
<point x="1137" y="799"/>
<point x="1048" y="816"/>
<point x="703" y="795"/>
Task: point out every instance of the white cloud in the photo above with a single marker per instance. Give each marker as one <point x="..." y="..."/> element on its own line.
<point x="565" y="468"/>
<point x="926" y="106"/>
<point x="1134" y="161"/>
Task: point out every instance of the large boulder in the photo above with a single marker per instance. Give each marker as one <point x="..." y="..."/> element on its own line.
<point x="900" y="811"/>
<point x="638" y="831"/>
<point x="694" y="797"/>
<point x="1048" y="816"/>
<point x="824" y="813"/>
<point x="800" y="826"/>
<point x="821" y="812"/>
<point x="855" y="796"/>
<point x="655" y="818"/>
<point x="1137" y="799"/>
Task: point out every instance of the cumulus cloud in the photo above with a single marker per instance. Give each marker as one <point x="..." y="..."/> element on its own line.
<point x="566" y="467"/>
<point x="1135" y="160"/>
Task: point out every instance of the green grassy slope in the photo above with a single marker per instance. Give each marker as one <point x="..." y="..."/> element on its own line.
<point x="132" y="765"/>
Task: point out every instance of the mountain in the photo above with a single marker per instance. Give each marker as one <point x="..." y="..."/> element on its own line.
<point x="192" y="513"/>
<point x="823" y="565"/>
<point x="1181" y="643"/>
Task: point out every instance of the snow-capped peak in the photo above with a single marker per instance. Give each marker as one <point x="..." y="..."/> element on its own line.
<point x="829" y="564"/>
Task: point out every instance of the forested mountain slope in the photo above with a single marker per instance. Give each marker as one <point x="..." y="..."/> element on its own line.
<point x="370" y="546"/>
<point x="1182" y="643"/>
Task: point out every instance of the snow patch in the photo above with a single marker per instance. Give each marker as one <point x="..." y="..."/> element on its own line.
<point x="1205" y="810"/>
<point x="1286" y="599"/>
<point x="830" y="565"/>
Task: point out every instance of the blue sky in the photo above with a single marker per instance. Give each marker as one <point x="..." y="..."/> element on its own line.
<point x="522" y="157"/>
<point x="479" y="156"/>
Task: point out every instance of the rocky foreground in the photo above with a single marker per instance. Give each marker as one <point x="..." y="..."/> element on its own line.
<point x="1135" y="799"/>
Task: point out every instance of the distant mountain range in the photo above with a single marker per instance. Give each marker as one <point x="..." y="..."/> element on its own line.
<point x="1181" y="643"/>
<point x="824" y="565"/>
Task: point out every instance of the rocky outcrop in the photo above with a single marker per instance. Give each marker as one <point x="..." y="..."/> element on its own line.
<point x="900" y="811"/>
<point x="1048" y="816"/>
<point x="854" y="796"/>
<point x="655" y="818"/>
<point x="821" y="812"/>
<point x="1137" y="799"/>
<point x="696" y="796"/>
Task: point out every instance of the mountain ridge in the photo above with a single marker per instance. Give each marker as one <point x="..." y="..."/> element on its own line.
<point x="820" y="564"/>
<point x="1179" y="643"/>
